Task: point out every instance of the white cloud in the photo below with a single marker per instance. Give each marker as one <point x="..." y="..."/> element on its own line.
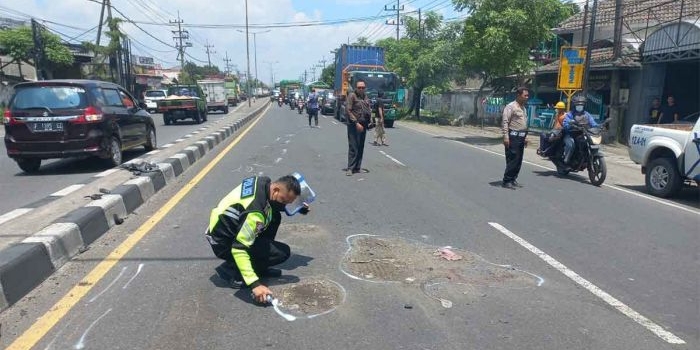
<point x="295" y="48"/>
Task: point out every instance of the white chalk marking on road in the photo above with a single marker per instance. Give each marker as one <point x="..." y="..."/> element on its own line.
<point x="612" y="301"/>
<point x="340" y="265"/>
<point x="138" y="271"/>
<point x="332" y="309"/>
<point x="13" y="214"/>
<point x="262" y="166"/>
<point x="275" y="305"/>
<point x="617" y="188"/>
<point x="153" y="152"/>
<point x="81" y="343"/>
<point x="392" y="158"/>
<point x="179" y="140"/>
<point x="107" y="172"/>
<point x="284" y="151"/>
<point x="334" y="122"/>
<point x="167" y="145"/>
<point x="278" y="160"/>
<point x="109" y="285"/>
<point x="68" y="190"/>
<point x="237" y="169"/>
<point x="277" y="139"/>
<point x="249" y="169"/>
<point x="260" y="173"/>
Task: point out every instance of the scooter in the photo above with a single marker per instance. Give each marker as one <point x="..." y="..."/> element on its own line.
<point x="279" y="102"/>
<point x="587" y="155"/>
<point x="300" y="106"/>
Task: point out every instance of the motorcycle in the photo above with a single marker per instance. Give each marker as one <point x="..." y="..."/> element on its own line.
<point x="292" y="104"/>
<point x="279" y="102"/>
<point x="300" y="106"/>
<point x="586" y="156"/>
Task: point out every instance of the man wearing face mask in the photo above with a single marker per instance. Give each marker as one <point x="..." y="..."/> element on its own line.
<point x="242" y="230"/>
<point x="580" y="117"/>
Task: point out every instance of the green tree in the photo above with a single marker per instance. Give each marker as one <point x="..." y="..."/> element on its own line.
<point x="425" y="56"/>
<point x="362" y="41"/>
<point x="499" y="34"/>
<point x="328" y="74"/>
<point x="19" y="45"/>
<point x="192" y="72"/>
<point x="111" y="50"/>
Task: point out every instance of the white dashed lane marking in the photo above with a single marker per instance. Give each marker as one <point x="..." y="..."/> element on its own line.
<point x="13" y="214"/>
<point x="392" y="158"/>
<point x="612" y="301"/>
<point x="68" y="190"/>
<point x="107" y="172"/>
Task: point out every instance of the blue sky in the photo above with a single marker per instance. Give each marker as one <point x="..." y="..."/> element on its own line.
<point x="283" y="52"/>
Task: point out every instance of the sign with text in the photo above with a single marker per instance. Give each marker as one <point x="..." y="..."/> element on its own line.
<point x="571" y="64"/>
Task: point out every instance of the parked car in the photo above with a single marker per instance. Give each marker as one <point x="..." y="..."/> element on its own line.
<point x="669" y="155"/>
<point x="328" y="103"/>
<point x="74" y="118"/>
<point x="150" y="97"/>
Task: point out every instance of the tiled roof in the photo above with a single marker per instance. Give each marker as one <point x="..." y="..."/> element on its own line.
<point x="635" y="11"/>
<point x="603" y="58"/>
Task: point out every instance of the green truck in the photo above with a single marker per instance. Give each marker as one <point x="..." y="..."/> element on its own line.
<point x="184" y="102"/>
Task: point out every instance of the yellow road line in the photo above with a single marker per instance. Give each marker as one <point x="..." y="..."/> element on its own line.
<point x="51" y="318"/>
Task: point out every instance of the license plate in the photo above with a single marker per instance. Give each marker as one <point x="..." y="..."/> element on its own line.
<point x="47" y="127"/>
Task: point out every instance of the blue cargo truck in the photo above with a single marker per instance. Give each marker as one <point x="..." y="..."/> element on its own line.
<point x="354" y="62"/>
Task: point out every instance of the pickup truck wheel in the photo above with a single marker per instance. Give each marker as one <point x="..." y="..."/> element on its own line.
<point x="29" y="165"/>
<point x="226" y="110"/>
<point x="206" y="116"/>
<point x="166" y="119"/>
<point x="662" y="178"/>
<point x="389" y="123"/>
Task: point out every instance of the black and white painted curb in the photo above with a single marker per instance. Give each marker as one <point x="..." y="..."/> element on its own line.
<point x="25" y="265"/>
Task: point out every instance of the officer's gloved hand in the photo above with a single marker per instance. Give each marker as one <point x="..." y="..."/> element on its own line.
<point x="305" y="210"/>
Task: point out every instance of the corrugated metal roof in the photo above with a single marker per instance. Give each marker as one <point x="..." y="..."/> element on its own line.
<point x="635" y="11"/>
<point x="673" y="38"/>
<point x="603" y="58"/>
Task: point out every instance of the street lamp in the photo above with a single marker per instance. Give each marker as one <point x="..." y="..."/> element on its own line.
<point x="272" y="73"/>
<point x="255" y="46"/>
<point x="247" y="53"/>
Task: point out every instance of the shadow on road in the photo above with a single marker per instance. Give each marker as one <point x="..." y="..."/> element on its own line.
<point x="87" y="165"/>
<point x="688" y="195"/>
<point x="475" y="140"/>
<point x="574" y="177"/>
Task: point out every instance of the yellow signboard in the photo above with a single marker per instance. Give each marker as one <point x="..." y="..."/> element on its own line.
<point x="571" y="64"/>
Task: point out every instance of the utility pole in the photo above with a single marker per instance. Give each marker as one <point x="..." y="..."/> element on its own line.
<point x="585" y="21"/>
<point x="99" y="27"/>
<point x="38" y="50"/>
<point x="591" y="36"/>
<point x="118" y="59"/>
<point x="398" y="8"/>
<point x="227" y="63"/>
<point x="615" y="107"/>
<point x="247" y="52"/>
<point x="179" y="35"/>
<point x="323" y="61"/>
<point x="209" y="52"/>
<point x="313" y="73"/>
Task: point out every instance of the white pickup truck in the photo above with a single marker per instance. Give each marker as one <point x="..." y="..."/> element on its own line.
<point x="669" y="155"/>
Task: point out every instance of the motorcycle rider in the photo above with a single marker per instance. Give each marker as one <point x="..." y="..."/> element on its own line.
<point x="549" y="140"/>
<point x="580" y="117"/>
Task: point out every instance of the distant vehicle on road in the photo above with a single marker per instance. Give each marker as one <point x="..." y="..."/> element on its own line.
<point x="151" y="98"/>
<point x="669" y="155"/>
<point x="184" y="102"/>
<point x="74" y="118"/>
<point x="215" y="94"/>
<point x="328" y="103"/>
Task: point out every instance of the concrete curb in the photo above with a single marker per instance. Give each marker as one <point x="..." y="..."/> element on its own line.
<point x="25" y="265"/>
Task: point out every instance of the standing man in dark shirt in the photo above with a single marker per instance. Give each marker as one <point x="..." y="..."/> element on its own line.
<point x="654" y="111"/>
<point x="514" y="136"/>
<point x="359" y="112"/>
<point x="669" y="112"/>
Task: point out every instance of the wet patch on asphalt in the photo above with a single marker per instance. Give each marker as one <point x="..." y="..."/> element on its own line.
<point x="445" y="274"/>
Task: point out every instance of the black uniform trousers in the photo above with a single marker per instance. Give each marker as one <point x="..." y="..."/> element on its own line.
<point x="356" y="146"/>
<point x="264" y="253"/>
<point x="313" y="113"/>
<point x="514" y="157"/>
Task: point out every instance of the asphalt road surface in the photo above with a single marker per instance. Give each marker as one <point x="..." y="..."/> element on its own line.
<point x="18" y="189"/>
<point x="557" y="264"/>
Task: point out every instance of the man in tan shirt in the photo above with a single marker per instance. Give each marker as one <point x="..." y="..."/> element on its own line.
<point x="514" y="136"/>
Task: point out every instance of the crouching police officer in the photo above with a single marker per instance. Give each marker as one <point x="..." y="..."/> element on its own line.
<point x="242" y="230"/>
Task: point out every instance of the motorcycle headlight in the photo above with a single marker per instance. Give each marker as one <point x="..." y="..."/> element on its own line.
<point x="596" y="139"/>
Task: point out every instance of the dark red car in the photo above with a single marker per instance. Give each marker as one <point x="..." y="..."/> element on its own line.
<point x="74" y="118"/>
